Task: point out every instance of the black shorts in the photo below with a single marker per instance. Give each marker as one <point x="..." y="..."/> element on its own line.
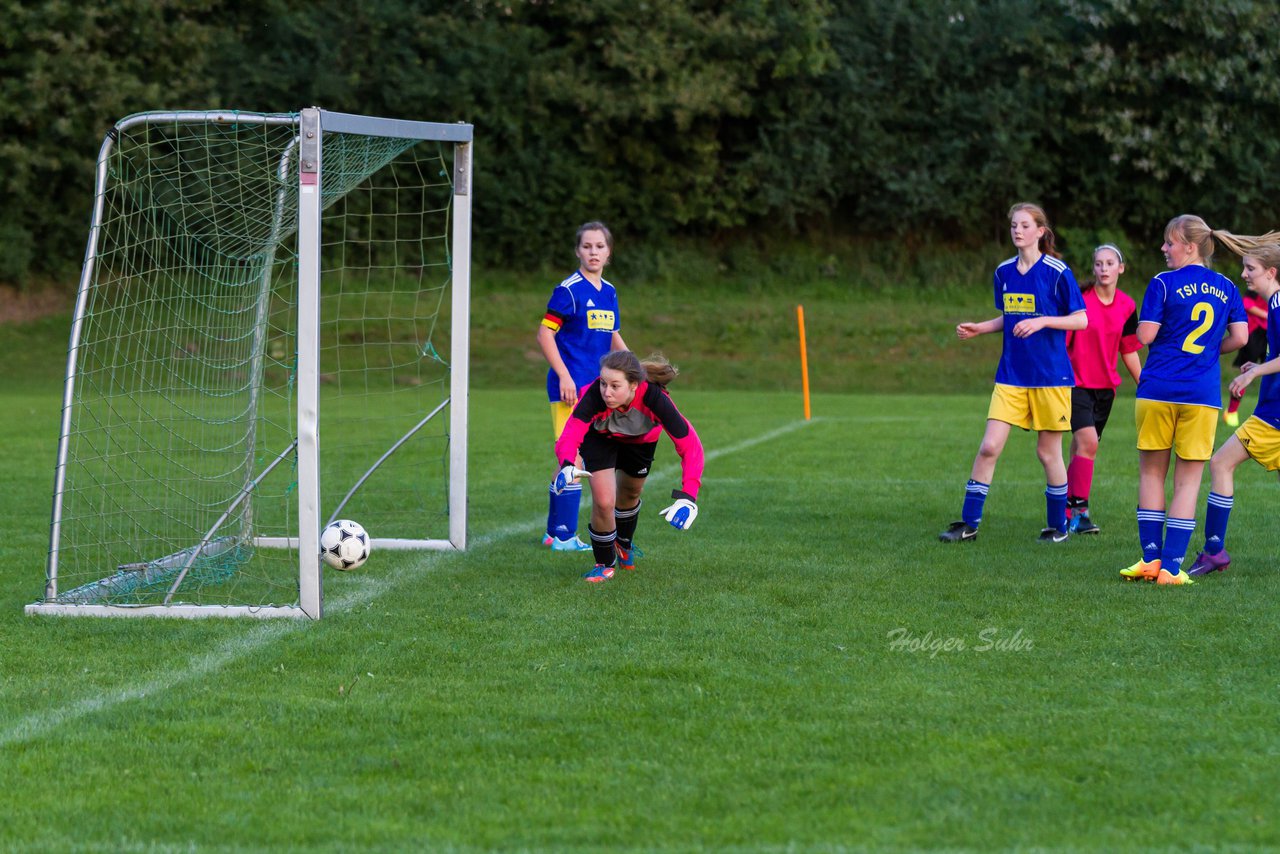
<point x="1091" y="407"/>
<point x="600" y="452"/>
<point x="1254" y="350"/>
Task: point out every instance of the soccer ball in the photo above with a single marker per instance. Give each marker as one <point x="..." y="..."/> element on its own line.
<point x="344" y="544"/>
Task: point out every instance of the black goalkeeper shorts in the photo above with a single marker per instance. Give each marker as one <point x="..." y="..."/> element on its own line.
<point x="600" y="452"/>
<point x="1091" y="407"/>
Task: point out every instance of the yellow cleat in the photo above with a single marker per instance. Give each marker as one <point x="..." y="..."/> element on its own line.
<point x="1142" y="571"/>
<point x="1167" y="577"/>
<point x="1232" y="418"/>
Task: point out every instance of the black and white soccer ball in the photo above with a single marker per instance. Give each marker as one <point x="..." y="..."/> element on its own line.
<point x="344" y="544"/>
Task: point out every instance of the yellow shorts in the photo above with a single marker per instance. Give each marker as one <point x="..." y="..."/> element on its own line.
<point x="1261" y="441"/>
<point x="1185" y="427"/>
<point x="1036" y="409"/>
<point x="560" y="412"/>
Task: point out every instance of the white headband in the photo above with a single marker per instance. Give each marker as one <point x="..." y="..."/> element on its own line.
<point x="1113" y="248"/>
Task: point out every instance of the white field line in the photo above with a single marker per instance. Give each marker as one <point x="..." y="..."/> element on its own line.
<point x="41" y="723"/>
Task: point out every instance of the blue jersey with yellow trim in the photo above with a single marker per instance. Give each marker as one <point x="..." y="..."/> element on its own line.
<point x="584" y="320"/>
<point x="1193" y="306"/>
<point x="1047" y="289"/>
<point x="1268" y="408"/>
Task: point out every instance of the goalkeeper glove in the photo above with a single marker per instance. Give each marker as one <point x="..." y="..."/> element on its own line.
<point x="567" y="475"/>
<point x="682" y="513"/>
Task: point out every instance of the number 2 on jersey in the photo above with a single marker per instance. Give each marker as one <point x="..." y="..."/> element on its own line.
<point x="1203" y="312"/>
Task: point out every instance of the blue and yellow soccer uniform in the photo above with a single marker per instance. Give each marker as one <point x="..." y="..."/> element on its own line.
<point x="1260" y="438"/>
<point x="1034" y="377"/>
<point x="1180" y="391"/>
<point x="584" y="320"/>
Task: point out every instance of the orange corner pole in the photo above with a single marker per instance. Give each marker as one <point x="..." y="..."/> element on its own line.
<point x="804" y="361"/>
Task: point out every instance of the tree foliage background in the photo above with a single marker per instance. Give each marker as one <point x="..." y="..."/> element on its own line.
<point x="906" y="119"/>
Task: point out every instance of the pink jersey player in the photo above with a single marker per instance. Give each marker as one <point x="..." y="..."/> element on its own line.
<point x="615" y="427"/>
<point x="1111" y="334"/>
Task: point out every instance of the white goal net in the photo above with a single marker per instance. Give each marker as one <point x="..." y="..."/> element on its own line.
<point x="270" y="331"/>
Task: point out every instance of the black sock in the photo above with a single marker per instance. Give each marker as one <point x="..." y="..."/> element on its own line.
<point x="602" y="546"/>
<point x="626" y="520"/>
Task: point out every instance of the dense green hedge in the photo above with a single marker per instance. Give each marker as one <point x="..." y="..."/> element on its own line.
<point x="913" y="119"/>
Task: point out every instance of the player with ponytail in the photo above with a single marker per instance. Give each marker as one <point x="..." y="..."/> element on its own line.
<point x="615" y="427"/>
<point x="1259" y="437"/>
<point x="580" y="325"/>
<point x="1112" y="334"/>
<point x="1039" y="302"/>
<point x="1190" y="316"/>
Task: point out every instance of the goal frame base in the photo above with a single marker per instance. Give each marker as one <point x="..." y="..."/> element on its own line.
<point x="187" y="612"/>
<point x="375" y="544"/>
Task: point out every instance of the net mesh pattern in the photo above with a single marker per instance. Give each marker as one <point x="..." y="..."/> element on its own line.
<point x="185" y="365"/>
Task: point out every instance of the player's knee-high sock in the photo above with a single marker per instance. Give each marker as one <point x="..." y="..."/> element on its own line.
<point x="1079" y="481"/>
<point x="552" y="515"/>
<point x="1177" y="535"/>
<point x="1215" y="522"/>
<point x="1233" y="406"/>
<point x="975" y="496"/>
<point x="1151" y="533"/>
<point x="626" y="520"/>
<point x="562" y="518"/>
<point x="572" y="504"/>
<point x="1055" y="506"/>
<point x="602" y="546"/>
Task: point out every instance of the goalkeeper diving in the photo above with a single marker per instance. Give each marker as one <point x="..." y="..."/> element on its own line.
<point x="614" y="428"/>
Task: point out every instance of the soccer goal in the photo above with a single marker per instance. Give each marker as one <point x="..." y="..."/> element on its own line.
<point x="271" y="332"/>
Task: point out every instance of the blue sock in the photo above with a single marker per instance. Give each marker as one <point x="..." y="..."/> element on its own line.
<point x="975" y="495"/>
<point x="571" y="504"/>
<point x="562" y="518"/>
<point x="1151" y="533"/>
<point x="1055" y="506"/>
<point x="1215" y="522"/>
<point x="1177" y="537"/>
<point x="551" y="512"/>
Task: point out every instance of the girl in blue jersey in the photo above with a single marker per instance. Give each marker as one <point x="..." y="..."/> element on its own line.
<point x="1259" y="437"/>
<point x="579" y="327"/>
<point x="1190" y="316"/>
<point x="1040" y="301"/>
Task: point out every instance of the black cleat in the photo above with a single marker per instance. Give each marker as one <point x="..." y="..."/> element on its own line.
<point x="1082" y="524"/>
<point x="1053" y="535"/>
<point x="958" y="532"/>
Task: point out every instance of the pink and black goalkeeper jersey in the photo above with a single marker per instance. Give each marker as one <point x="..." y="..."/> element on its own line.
<point x="1252" y="300"/>
<point x="1112" y="330"/>
<point x="651" y="412"/>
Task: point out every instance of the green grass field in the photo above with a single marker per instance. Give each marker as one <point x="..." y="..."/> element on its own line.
<point x="807" y="669"/>
<point x="786" y="676"/>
